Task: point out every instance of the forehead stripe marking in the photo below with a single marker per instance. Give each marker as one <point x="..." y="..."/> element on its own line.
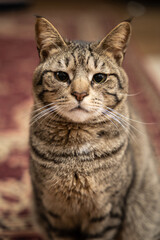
<point x="67" y="61"/>
<point x="74" y="58"/>
<point x="95" y="63"/>
<point x="88" y="59"/>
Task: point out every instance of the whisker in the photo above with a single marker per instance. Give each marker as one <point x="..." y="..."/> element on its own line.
<point x="33" y="111"/>
<point x="106" y="115"/>
<point x="130" y="132"/>
<point x="117" y="120"/>
<point x="38" y="114"/>
<point x="126" y="122"/>
<point x="130" y="119"/>
<point x="41" y="114"/>
<point x="39" y="117"/>
<point x="59" y="110"/>
<point x="131" y="94"/>
<point x="43" y="107"/>
<point x="51" y="111"/>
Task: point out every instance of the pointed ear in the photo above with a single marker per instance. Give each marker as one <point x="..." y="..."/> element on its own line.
<point x="48" y="38"/>
<point x="116" y="42"/>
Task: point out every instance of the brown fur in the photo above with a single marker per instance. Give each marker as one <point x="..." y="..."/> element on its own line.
<point x="91" y="179"/>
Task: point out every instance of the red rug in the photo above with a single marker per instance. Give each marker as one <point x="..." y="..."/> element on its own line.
<point x="18" y="61"/>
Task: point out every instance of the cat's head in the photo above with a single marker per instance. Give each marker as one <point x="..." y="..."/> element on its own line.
<point x="80" y="81"/>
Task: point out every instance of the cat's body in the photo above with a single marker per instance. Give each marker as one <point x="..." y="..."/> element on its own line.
<point x="91" y="180"/>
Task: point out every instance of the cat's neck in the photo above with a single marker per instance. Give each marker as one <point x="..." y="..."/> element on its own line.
<point x="67" y="133"/>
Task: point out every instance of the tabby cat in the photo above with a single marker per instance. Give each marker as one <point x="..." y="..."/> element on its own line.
<point x="93" y="172"/>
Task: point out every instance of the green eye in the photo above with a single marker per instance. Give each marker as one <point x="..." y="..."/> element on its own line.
<point x="99" y="77"/>
<point x="61" y="76"/>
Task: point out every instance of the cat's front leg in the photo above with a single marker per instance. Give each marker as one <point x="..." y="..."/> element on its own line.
<point x="49" y="230"/>
<point x="45" y="236"/>
<point x="102" y="228"/>
<point x="142" y="218"/>
<point x="99" y="230"/>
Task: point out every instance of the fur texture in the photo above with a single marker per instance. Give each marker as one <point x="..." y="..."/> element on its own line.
<point x="93" y="172"/>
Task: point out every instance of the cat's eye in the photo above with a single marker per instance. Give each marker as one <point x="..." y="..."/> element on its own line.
<point x="61" y="76"/>
<point x="99" y="77"/>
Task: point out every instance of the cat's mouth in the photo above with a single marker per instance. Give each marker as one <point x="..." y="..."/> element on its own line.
<point x="78" y="108"/>
<point x="78" y="114"/>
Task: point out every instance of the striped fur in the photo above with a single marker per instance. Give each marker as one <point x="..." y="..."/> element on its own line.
<point x="90" y="179"/>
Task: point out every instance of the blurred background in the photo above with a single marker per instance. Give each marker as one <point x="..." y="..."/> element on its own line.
<point x="84" y="20"/>
<point x="146" y="30"/>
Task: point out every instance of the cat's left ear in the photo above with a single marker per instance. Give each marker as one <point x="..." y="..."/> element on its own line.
<point x="48" y="38"/>
<point x="116" y="42"/>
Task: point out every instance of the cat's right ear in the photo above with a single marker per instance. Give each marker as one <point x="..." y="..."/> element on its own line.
<point x="116" y="42"/>
<point x="48" y="38"/>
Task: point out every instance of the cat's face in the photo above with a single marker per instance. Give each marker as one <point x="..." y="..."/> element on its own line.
<point x="80" y="81"/>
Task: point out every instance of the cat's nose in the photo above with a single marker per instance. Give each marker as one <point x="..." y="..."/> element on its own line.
<point x="79" y="96"/>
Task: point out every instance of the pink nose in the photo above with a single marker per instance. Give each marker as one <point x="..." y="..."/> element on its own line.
<point x="79" y="96"/>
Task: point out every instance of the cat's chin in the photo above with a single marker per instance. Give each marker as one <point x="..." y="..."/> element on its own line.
<point x="78" y="115"/>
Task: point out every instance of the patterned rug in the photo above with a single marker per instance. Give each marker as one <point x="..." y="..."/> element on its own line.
<point x="18" y="61"/>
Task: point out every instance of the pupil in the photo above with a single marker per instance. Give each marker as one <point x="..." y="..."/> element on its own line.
<point x="98" y="77"/>
<point x="62" y="75"/>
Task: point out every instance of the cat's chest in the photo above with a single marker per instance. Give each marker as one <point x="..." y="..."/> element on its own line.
<point x="84" y="183"/>
<point x="75" y="193"/>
